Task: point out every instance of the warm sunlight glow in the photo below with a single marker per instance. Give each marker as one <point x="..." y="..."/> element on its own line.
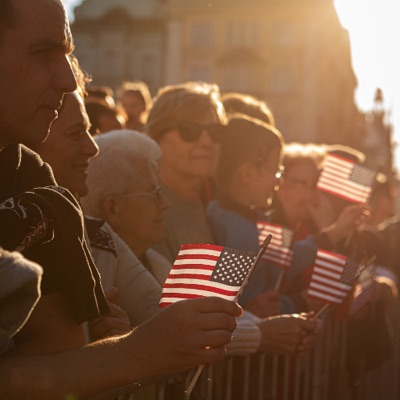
<point x="374" y="28"/>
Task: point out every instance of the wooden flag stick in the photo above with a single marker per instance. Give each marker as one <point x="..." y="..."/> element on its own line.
<point x="260" y="253"/>
<point x="349" y="238"/>
<point x="279" y="280"/>
<point x="321" y="310"/>
<point x="282" y="273"/>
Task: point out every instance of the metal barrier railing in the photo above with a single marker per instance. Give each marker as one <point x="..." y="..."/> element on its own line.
<point x="329" y="372"/>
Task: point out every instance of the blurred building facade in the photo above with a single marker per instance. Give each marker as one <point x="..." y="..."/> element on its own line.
<point x="292" y="53"/>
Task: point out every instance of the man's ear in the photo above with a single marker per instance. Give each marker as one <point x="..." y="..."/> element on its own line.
<point x="110" y="211"/>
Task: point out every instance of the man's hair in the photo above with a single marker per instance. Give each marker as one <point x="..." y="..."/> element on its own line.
<point x="249" y="105"/>
<point x="95" y="109"/>
<point x="141" y="91"/>
<point x="138" y="89"/>
<point x="81" y="76"/>
<point x="8" y="16"/>
<point x="183" y="102"/>
<point x="246" y="140"/>
<point x="295" y="153"/>
<point x="131" y="156"/>
<point x="100" y="92"/>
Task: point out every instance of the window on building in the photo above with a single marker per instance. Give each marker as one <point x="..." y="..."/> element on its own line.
<point x="112" y="62"/>
<point x="201" y="35"/>
<point x="284" y="34"/>
<point x="200" y="72"/>
<point x="282" y="79"/>
<point x="243" y="34"/>
<point x="243" y="77"/>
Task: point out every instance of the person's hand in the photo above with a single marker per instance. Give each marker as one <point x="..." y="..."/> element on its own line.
<point x="321" y="212"/>
<point x="265" y="304"/>
<point x="113" y="324"/>
<point x="349" y="219"/>
<point x="386" y="292"/>
<point x="184" y="335"/>
<point x="292" y="334"/>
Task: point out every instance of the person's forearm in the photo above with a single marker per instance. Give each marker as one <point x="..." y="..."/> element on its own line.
<point x="84" y="372"/>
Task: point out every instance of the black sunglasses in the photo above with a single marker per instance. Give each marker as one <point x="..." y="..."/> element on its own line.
<point x="191" y="131"/>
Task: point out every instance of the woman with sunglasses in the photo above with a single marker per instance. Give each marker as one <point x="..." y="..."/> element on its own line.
<point x="185" y="121"/>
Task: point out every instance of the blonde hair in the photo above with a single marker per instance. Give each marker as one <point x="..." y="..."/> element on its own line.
<point x="183" y="102"/>
<point x="295" y="153"/>
<point x="139" y="89"/>
<point x="249" y="105"/>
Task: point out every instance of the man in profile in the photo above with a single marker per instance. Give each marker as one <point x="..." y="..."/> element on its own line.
<point x="45" y="223"/>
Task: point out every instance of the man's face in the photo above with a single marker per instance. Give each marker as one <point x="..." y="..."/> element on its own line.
<point x="299" y="190"/>
<point x="34" y="71"/>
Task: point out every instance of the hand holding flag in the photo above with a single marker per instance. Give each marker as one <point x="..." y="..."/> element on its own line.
<point x="209" y="270"/>
<point x="333" y="277"/>
<point x="279" y="251"/>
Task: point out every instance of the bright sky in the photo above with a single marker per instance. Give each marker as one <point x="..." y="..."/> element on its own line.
<point x="374" y="28"/>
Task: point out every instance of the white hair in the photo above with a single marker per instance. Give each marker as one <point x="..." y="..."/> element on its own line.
<point x="126" y="159"/>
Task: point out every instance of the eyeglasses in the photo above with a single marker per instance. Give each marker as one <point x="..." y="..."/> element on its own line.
<point x="277" y="174"/>
<point x="191" y="131"/>
<point x="280" y="172"/>
<point x="157" y="194"/>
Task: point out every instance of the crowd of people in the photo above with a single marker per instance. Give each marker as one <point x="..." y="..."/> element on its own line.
<point x="98" y="191"/>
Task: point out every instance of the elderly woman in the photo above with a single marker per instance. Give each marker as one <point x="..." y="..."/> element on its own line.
<point x="133" y="204"/>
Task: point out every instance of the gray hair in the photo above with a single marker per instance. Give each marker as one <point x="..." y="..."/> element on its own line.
<point x="126" y="159"/>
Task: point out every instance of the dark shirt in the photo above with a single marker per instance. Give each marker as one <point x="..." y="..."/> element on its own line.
<point x="45" y="223"/>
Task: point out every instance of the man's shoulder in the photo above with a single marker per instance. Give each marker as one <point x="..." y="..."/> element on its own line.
<point x="21" y="170"/>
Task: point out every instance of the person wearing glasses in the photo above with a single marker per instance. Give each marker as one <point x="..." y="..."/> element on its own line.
<point x="248" y="173"/>
<point x="134" y="204"/>
<point x="185" y="120"/>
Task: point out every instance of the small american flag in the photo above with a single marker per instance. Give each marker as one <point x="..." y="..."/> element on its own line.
<point x="365" y="289"/>
<point x="346" y="179"/>
<point x="333" y="277"/>
<point x="202" y="270"/>
<point x="279" y="251"/>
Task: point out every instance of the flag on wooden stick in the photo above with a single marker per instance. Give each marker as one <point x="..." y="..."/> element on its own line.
<point x="344" y="178"/>
<point x="202" y="270"/>
<point x="333" y="277"/>
<point x="279" y="251"/>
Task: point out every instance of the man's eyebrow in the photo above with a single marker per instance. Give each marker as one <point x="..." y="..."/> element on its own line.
<point x="67" y="46"/>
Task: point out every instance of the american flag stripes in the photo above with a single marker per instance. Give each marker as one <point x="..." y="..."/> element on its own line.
<point x="333" y="277"/>
<point x="202" y="270"/>
<point x="346" y="179"/>
<point x="279" y="251"/>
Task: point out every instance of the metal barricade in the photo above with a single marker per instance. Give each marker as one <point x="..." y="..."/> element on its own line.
<point x="327" y="373"/>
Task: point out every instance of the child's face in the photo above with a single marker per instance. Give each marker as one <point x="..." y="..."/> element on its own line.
<point x="266" y="179"/>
